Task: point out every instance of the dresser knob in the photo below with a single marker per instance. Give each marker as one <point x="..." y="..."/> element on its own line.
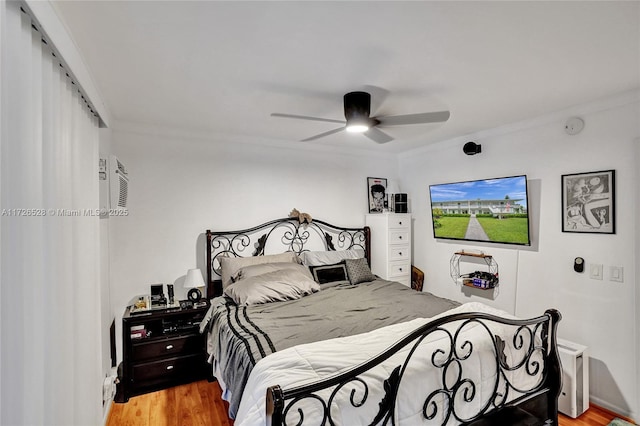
<point x="400" y="269"/>
<point x="399" y="253"/>
<point x="400" y="237"/>
<point x="169" y="347"/>
<point x="400" y="223"/>
<point x="169" y="367"/>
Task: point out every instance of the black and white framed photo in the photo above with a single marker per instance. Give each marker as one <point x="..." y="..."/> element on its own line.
<point x="588" y="202"/>
<point x="377" y="188"/>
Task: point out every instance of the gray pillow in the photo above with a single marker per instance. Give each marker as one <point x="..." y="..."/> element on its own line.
<point x="274" y="286"/>
<point x="358" y="271"/>
<point x="254" y="270"/>
<point x="330" y="257"/>
<point x="230" y="265"/>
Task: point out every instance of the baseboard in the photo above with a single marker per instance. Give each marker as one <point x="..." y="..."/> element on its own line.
<point x="615" y="412"/>
<point x="106" y="405"/>
<point x="107" y="412"/>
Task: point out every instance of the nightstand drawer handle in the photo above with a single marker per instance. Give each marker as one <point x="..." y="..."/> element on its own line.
<point x="400" y="269"/>
<point x="169" y="347"/>
<point x="400" y="223"/>
<point x="169" y="367"/>
<point x="399" y="253"/>
<point x="400" y="237"/>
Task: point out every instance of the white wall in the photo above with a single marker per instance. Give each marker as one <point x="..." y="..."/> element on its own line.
<point x="599" y="314"/>
<point x="180" y="186"/>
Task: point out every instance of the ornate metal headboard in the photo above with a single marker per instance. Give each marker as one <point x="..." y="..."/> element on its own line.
<point x="278" y="236"/>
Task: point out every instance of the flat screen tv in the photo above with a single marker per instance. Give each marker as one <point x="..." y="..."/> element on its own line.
<point x="487" y="210"/>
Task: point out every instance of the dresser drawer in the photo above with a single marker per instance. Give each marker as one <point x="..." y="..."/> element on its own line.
<point x="399" y="222"/>
<point x="167" y="369"/>
<point x="183" y="345"/>
<point x="399" y="236"/>
<point x="399" y="269"/>
<point x="399" y="252"/>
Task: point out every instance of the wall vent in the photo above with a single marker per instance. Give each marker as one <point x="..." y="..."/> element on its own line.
<point x="118" y="184"/>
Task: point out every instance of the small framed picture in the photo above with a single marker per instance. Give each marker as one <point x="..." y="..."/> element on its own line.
<point x="588" y="202"/>
<point x="377" y="188"/>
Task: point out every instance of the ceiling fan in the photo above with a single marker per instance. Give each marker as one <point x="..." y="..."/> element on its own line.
<point x="357" y="110"/>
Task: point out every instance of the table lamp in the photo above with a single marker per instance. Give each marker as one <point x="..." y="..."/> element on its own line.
<point x="194" y="281"/>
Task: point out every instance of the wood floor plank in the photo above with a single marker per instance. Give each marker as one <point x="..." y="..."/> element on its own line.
<point x="200" y="404"/>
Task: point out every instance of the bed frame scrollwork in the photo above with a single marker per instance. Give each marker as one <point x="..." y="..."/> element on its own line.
<point x="532" y="353"/>
<point x="278" y="236"/>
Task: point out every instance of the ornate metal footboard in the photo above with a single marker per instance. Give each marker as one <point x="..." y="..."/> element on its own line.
<point x="278" y="236"/>
<point x="523" y="389"/>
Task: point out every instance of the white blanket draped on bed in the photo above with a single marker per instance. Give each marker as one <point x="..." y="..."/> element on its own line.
<point x="310" y="362"/>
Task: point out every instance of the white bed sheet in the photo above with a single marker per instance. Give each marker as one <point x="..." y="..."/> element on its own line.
<point x="310" y="362"/>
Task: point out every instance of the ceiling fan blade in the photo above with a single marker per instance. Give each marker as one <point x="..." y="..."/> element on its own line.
<point x="321" y="135"/>
<point x="377" y="135"/>
<point x="427" y="117"/>
<point x="304" y="117"/>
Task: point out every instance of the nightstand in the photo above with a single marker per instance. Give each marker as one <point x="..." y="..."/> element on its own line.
<point x="162" y="347"/>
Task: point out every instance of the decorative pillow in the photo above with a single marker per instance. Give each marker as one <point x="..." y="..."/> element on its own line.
<point x="316" y="258"/>
<point x="324" y="274"/>
<point x="274" y="286"/>
<point x="358" y="271"/>
<point x="231" y="265"/>
<point x="255" y="270"/>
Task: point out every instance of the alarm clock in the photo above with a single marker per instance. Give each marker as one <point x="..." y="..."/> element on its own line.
<point x="194" y="295"/>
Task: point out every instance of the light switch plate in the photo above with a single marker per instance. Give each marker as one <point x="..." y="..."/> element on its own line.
<point x="616" y="273"/>
<point x="595" y="272"/>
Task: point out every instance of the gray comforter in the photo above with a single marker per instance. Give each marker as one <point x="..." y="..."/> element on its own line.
<point x="239" y="336"/>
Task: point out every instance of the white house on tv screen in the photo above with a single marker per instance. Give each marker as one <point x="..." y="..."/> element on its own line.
<point x="494" y="207"/>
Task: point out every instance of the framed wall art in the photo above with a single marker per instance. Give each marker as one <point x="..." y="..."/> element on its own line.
<point x="588" y="202"/>
<point x="377" y="189"/>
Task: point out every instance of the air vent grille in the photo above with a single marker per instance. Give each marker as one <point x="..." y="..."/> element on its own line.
<point x="124" y="190"/>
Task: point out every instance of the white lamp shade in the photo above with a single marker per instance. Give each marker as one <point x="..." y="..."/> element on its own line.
<point x="194" y="279"/>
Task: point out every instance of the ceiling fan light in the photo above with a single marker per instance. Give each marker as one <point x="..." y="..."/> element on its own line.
<point x="357" y="128"/>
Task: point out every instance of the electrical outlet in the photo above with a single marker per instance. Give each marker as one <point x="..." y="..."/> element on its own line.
<point x="595" y="272"/>
<point x="616" y="273"/>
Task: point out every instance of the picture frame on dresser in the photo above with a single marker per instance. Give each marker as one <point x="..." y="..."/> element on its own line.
<point x="377" y="194"/>
<point x="588" y="202"/>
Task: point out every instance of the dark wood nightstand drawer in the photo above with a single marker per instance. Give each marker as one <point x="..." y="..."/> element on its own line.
<point x="182" y="345"/>
<point x="167" y="369"/>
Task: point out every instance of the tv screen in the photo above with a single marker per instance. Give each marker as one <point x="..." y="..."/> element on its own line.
<point x="487" y="210"/>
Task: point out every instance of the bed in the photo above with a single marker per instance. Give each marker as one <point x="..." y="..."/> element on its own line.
<point x="341" y="346"/>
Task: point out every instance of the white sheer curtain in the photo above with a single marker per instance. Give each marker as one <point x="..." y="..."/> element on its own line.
<point x="50" y="365"/>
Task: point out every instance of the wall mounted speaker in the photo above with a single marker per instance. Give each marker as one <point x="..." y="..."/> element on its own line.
<point x="472" y="148"/>
<point x="400" y="203"/>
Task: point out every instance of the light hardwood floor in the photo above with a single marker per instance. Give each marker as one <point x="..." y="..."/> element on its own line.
<point x="200" y="404"/>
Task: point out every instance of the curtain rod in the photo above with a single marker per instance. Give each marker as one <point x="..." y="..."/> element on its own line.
<point x="54" y="52"/>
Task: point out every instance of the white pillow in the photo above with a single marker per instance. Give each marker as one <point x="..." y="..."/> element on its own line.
<point x="274" y="286"/>
<point x="231" y="265"/>
<point x="316" y="258"/>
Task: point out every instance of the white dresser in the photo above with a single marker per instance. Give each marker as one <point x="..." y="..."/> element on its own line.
<point x="391" y="246"/>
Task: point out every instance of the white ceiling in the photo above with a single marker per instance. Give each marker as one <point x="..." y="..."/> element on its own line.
<point x="222" y="67"/>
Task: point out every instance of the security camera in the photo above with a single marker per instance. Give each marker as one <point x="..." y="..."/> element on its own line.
<point x="472" y="148"/>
